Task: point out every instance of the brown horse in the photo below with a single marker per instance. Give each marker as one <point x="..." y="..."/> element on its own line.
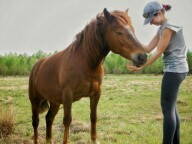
<point x="77" y="71"/>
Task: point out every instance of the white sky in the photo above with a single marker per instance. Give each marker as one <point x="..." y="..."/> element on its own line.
<point x="49" y="25"/>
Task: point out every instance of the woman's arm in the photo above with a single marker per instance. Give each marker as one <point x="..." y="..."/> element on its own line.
<point x="162" y="45"/>
<point x="153" y="43"/>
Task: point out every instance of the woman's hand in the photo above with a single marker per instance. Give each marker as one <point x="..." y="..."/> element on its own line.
<point x="134" y="68"/>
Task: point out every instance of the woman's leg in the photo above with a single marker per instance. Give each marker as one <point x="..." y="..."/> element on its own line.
<point x="169" y="90"/>
<point x="176" y="138"/>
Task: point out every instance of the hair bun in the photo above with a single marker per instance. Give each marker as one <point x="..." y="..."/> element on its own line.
<point x="167" y="7"/>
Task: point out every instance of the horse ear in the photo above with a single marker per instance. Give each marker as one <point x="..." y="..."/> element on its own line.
<point x="110" y="18"/>
<point x="99" y="20"/>
<point x="127" y="10"/>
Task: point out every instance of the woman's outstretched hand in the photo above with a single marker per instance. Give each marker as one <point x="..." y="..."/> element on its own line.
<point x="134" y="68"/>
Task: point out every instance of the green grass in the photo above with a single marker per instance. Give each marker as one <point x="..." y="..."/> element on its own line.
<point x="128" y="112"/>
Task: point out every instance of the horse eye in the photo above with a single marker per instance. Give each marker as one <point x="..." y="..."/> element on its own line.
<point x="119" y="33"/>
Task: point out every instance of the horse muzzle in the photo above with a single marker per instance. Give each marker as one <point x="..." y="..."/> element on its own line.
<point x="139" y="59"/>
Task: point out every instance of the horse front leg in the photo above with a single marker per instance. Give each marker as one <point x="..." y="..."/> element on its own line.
<point x="93" y="116"/>
<point x="67" y="105"/>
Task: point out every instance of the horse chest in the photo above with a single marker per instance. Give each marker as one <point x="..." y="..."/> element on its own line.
<point x="85" y="89"/>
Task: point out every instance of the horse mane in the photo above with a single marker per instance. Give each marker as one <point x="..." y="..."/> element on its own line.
<point x="91" y="40"/>
<point x="92" y="35"/>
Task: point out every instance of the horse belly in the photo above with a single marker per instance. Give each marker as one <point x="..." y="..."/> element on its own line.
<point x="82" y="90"/>
<point x="48" y="88"/>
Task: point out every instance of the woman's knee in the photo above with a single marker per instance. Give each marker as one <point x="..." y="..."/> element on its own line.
<point x="167" y="109"/>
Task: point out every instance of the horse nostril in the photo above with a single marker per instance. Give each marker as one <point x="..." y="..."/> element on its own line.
<point x="142" y="57"/>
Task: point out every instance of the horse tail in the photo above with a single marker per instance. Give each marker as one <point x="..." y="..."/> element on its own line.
<point x="34" y="96"/>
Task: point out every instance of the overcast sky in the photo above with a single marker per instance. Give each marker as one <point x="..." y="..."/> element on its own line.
<point x="49" y="25"/>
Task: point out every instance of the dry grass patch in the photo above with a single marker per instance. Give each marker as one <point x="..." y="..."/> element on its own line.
<point x="6" y="121"/>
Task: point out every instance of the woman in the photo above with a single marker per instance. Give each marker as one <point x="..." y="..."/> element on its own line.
<point x="170" y="41"/>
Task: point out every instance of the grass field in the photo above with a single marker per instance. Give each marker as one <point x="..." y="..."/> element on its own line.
<point x="128" y="112"/>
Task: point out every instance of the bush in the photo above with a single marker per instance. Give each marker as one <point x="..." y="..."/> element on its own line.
<point x="155" y="68"/>
<point x="189" y="59"/>
<point x="21" y="64"/>
<point x="18" y="64"/>
<point x="117" y="64"/>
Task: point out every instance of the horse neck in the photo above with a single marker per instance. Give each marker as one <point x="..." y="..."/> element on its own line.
<point x="95" y="55"/>
<point x="92" y="47"/>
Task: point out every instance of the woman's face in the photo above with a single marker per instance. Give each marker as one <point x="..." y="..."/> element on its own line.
<point x="158" y="18"/>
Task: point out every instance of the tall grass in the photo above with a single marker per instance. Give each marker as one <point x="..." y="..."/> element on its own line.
<point x="21" y="64"/>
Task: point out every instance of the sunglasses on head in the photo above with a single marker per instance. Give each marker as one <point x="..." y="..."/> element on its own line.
<point x="155" y="14"/>
<point x="146" y="15"/>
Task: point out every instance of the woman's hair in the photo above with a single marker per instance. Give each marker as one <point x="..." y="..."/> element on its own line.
<point x="167" y="7"/>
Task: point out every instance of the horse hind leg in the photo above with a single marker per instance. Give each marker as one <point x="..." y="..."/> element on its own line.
<point x="39" y="105"/>
<point x="49" y="121"/>
<point x="35" y="122"/>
